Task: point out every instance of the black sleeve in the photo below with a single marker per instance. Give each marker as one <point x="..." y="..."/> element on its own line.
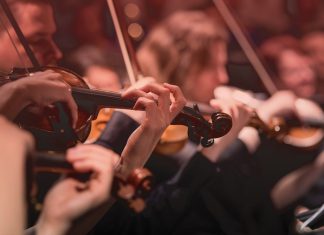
<point x="236" y="150"/>
<point x="117" y="132"/>
<point x="166" y="207"/>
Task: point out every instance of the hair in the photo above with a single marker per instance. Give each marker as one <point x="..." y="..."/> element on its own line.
<point x="13" y="4"/>
<point x="273" y="47"/>
<point x="180" y="44"/>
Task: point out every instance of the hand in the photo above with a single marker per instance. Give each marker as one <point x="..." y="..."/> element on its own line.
<point x="45" y="88"/>
<point x="70" y="199"/>
<point x="161" y="103"/>
<point x="240" y="114"/>
<point x="233" y="93"/>
<point x="319" y="162"/>
<point x="155" y="99"/>
<point x="138" y="116"/>
<point x="279" y="104"/>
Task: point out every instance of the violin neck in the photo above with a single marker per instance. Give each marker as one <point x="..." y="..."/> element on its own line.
<point x="102" y="98"/>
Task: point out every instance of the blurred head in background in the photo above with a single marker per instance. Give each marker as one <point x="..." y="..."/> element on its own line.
<point x="187" y="49"/>
<point x="293" y="68"/>
<point x="313" y="44"/>
<point x="36" y="20"/>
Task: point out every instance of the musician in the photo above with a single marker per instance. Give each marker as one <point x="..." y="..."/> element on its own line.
<point x="194" y="65"/>
<point x="78" y="198"/>
<point x="43" y="88"/>
<point x="47" y="52"/>
<point x="185" y="183"/>
<point x="189" y="50"/>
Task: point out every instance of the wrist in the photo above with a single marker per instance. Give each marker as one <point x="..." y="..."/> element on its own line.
<point x="44" y="226"/>
<point x="21" y="90"/>
<point x="250" y="137"/>
<point x="15" y="99"/>
<point x="138" y="149"/>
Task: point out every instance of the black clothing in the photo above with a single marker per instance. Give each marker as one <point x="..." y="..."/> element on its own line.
<point x="207" y="198"/>
<point x="111" y="136"/>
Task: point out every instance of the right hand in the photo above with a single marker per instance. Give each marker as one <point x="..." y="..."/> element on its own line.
<point x="70" y="199"/>
<point x="45" y="88"/>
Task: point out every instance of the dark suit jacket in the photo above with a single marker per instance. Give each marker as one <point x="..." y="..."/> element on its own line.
<point x="223" y="198"/>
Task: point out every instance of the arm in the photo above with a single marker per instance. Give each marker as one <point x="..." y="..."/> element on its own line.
<point x="158" y="115"/>
<point x="166" y="206"/>
<point x="15" y="144"/>
<point x="294" y="185"/>
<point x="70" y="199"/>
<point x="117" y="132"/>
<point x="41" y="89"/>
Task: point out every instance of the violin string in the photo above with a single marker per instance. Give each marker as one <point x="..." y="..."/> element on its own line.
<point x="4" y="26"/>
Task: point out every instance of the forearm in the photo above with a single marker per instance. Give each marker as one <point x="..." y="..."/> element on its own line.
<point x="13" y="100"/>
<point x="250" y="137"/>
<point x="138" y="149"/>
<point x="84" y="223"/>
<point x="294" y="185"/>
<point x="12" y="197"/>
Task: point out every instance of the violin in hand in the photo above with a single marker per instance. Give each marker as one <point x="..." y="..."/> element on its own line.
<point x="91" y="101"/>
<point x="131" y="190"/>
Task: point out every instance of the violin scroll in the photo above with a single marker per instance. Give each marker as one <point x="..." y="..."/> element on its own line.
<point x="202" y="131"/>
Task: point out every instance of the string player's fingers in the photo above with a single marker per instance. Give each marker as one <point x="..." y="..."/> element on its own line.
<point x="179" y="100"/>
<point x="132" y="93"/>
<point x="220" y="106"/>
<point x="143" y="103"/>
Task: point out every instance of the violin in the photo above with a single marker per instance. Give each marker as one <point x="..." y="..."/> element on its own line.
<point x="91" y="101"/>
<point x="304" y="131"/>
<point x="306" y="134"/>
<point x="133" y="190"/>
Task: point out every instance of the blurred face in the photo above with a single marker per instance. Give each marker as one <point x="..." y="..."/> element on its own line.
<point x="296" y="73"/>
<point x="200" y="86"/>
<point x="314" y="45"/>
<point x="37" y="24"/>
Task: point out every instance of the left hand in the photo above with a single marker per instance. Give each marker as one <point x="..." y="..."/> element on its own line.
<point x="240" y="114"/>
<point x="70" y="199"/>
<point x="161" y="103"/>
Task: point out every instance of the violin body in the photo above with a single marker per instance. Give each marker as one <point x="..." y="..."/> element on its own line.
<point x="99" y="124"/>
<point x="42" y="122"/>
